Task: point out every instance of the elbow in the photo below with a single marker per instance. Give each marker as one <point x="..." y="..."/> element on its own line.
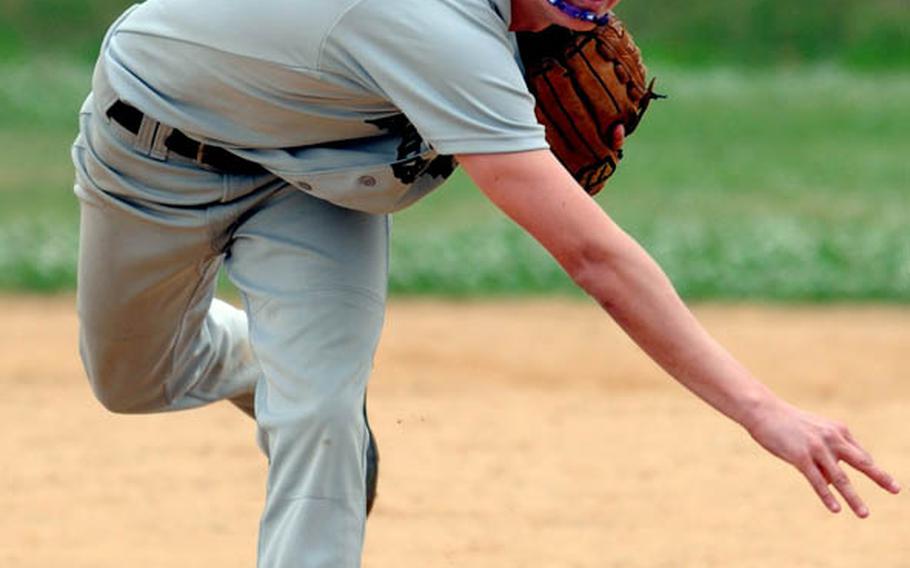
<point x="593" y="267"/>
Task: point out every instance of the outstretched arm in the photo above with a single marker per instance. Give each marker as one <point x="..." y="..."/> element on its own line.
<point x="541" y="196"/>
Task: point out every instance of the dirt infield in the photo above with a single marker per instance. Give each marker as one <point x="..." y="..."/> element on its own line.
<point x="513" y="434"/>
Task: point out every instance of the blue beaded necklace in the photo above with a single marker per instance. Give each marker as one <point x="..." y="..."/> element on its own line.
<point x="579" y="14"/>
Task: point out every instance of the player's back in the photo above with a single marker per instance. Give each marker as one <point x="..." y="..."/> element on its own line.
<point x="239" y="71"/>
<point x="288" y="32"/>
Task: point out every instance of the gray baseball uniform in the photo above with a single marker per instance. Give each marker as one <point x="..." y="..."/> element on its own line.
<point x="353" y="109"/>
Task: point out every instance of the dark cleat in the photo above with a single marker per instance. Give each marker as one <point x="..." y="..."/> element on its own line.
<point x="372" y="468"/>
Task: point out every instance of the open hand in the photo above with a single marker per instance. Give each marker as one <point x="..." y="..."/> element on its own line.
<point x="815" y="445"/>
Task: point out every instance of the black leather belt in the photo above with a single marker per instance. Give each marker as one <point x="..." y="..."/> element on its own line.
<point x="130" y="118"/>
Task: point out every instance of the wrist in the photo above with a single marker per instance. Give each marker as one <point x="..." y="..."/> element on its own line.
<point x="755" y="407"/>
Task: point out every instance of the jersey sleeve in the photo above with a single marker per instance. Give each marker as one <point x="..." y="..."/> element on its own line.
<point x="449" y="66"/>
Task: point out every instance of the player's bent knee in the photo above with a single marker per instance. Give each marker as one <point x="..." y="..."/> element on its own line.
<point x="122" y="386"/>
<point x="117" y="395"/>
<point x="114" y="400"/>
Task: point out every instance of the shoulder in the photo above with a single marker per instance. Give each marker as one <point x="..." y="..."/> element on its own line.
<point x="429" y="24"/>
<point x="427" y="11"/>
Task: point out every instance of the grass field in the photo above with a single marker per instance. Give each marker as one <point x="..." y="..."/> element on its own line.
<point x="776" y="184"/>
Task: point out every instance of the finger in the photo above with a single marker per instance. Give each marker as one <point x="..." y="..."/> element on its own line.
<point x="619" y="136"/>
<point x="860" y="459"/>
<point x="849" y="436"/>
<point x="818" y="482"/>
<point x="841" y="482"/>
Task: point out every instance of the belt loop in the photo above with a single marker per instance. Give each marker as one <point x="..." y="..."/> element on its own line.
<point x="158" y="149"/>
<point x="145" y="138"/>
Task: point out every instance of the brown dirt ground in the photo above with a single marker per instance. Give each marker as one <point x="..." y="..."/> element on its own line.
<point x="513" y="434"/>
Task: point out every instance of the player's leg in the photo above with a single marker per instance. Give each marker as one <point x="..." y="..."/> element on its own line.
<point x="151" y="336"/>
<point x="313" y="277"/>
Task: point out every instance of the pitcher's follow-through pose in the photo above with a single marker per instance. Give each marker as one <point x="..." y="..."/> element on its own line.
<point x="275" y="138"/>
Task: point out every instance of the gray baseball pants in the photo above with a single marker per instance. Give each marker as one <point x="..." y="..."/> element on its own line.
<point x="155" y="228"/>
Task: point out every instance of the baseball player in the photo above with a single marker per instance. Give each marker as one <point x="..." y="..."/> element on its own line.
<point x="274" y="138"/>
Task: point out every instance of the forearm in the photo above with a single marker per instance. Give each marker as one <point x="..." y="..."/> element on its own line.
<point x="633" y="289"/>
<point x="609" y="265"/>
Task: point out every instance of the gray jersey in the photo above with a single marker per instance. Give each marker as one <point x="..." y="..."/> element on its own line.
<point x="356" y="101"/>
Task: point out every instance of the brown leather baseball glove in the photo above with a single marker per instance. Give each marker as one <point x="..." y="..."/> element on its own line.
<point x="586" y="83"/>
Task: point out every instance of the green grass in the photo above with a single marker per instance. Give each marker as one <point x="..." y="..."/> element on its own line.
<point x="868" y="34"/>
<point x="774" y="184"/>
